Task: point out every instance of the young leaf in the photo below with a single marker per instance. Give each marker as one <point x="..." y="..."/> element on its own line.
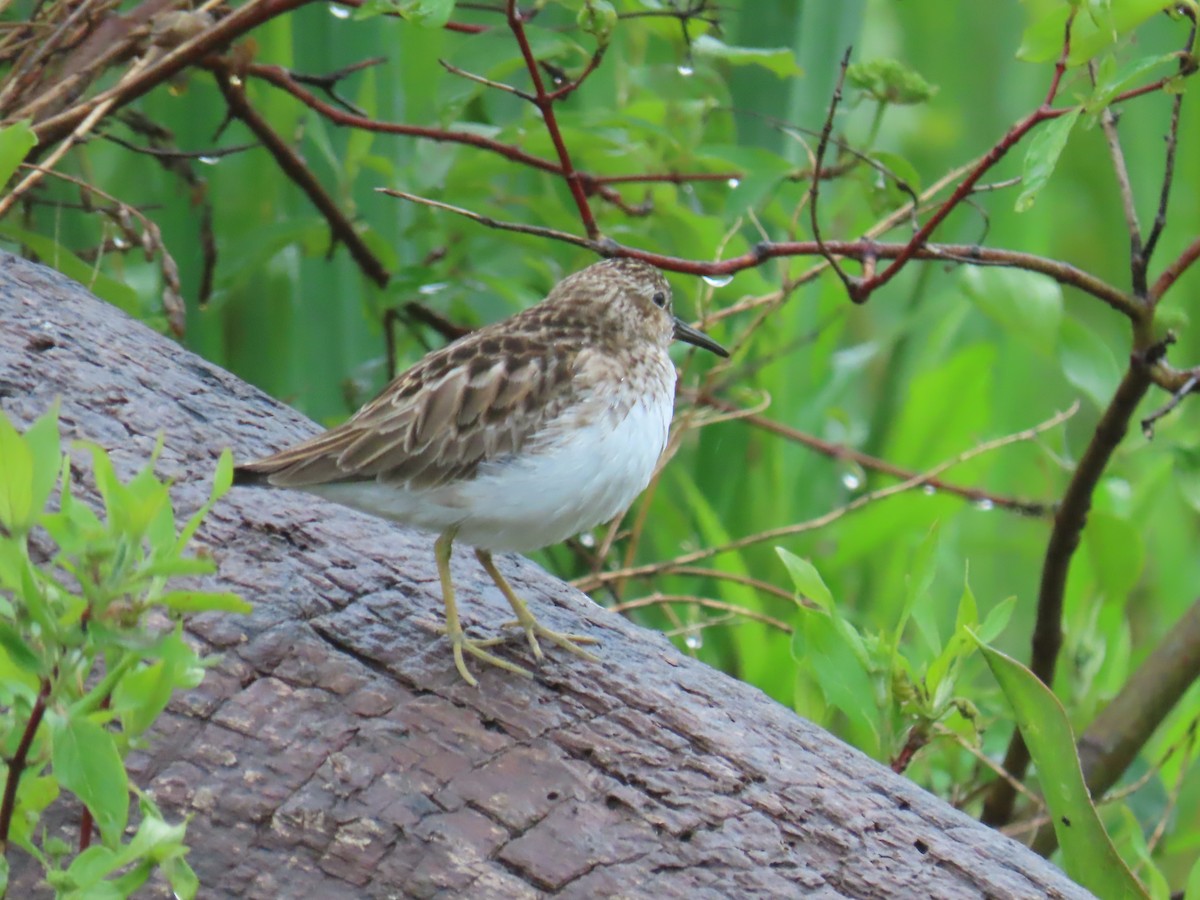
<point x="16" y="480"/>
<point x="204" y="601"/>
<point x="779" y="60"/>
<point x="86" y="762"/>
<point x="837" y="658"/>
<point x="806" y="579"/>
<point x="43" y="443"/>
<point x="15" y="143"/>
<point x="1045" y="148"/>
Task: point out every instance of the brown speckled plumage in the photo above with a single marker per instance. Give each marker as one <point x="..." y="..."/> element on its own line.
<point x="515" y="436"/>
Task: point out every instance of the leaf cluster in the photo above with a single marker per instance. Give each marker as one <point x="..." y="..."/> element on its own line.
<point x="91" y="651"/>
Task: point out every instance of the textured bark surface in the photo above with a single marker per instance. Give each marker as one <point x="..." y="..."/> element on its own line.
<point x="334" y="752"/>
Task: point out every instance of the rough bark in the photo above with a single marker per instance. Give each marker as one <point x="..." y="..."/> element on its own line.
<point x="334" y="752"/>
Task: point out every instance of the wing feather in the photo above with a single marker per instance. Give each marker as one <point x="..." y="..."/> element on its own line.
<point x="475" y="400"/>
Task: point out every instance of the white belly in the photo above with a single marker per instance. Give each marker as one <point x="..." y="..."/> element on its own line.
<point x="586" y="477"/>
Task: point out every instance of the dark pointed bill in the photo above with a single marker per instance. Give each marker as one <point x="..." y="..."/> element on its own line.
<point x="685" y="332"/>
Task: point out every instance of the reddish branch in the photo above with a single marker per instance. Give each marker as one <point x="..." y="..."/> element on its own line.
<point x="545" y="104"/>
<point x="1172" y="273"/>
<point x="16" y="765"/>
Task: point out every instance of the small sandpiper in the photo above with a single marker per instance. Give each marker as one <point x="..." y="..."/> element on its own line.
<point x="514" y="437"/>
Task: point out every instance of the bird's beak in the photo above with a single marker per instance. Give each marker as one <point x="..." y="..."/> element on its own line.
<point x="685" y="332"/>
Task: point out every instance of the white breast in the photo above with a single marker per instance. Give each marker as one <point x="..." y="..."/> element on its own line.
<point x="585" y="476"/>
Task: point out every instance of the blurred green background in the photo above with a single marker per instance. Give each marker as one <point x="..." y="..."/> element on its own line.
<point x="942" y="359"/>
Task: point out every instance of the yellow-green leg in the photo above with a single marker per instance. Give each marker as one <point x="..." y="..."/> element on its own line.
<point x="454" y="630"/>
<point x="533" y="628"/>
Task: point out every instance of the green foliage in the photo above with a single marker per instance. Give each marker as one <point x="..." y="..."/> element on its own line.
<point x="1041" y="158"/>
<point x="889" y="81"/>
<point x="947" y="356"/>
<point x="83" y="674"/>
<point x="15" y="142"/>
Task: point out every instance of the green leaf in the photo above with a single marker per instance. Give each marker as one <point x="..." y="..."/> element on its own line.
<point x="1109" y="86"/>
<point x="184" y="883"/>
<point x="890" y="81"/>
<point x="1041" y="158"/>
<point x="16" y="140"/>
<point x="1088" y="855"/>
<point x="779" y="60"/>
<point x="204" y="601"/>
<point x="86" y="762"/>
<point x="222" y="482"/>
<point x="142" y="694"/>
<point x="43" y="442"/>
<point x="424" y="13"/>
<point x="806" y="579"/>
<point x="18" y="650"/>
<point x="997" y="620"/>
<point x="1192" y="891"/>
<point x="834" y="653"/>
<point x="898" y="169"/>
<point x="1099" y="25"/>
<point x="92" y="866"/>
<point x="16" y="480"/>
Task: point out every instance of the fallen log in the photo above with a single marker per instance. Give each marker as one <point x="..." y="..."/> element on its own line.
<point x="335" y="752"/>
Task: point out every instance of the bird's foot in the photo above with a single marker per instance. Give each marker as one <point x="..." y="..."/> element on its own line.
<point x="535" y="629"/>
<point x="461" y="645"/>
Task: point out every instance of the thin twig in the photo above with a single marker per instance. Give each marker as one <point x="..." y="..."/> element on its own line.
<point x="841" y="451"/>
<point x="1176" y="399"/>
<point x="592" y="582"/>
<point x="704" y="602"/>
<point x="545" y="104"/>
<point x="488" y="221"/>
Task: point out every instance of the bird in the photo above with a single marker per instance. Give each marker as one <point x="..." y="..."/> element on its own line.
<point x="514" y="437"/>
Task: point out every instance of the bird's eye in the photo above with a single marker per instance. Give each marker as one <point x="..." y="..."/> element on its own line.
<point x="660" y="299"/>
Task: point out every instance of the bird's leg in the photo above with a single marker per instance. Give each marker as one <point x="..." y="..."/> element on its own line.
<point x="454" y="630"/>
<point x="533" y="628"/>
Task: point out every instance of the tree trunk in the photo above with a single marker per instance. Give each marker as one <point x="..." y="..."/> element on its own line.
<point x="335" y="752"/>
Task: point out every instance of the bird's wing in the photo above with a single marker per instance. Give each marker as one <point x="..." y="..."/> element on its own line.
<point x="481" y="398"/>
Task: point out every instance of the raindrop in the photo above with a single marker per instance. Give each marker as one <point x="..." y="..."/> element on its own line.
<point x="984" y="504"/>
<point x="928" y="490"/>
<point x="686" y="69"/>
<point x="120" y="243"/>
<point x="851" y="481"/>
<point x="339" y="12"/>
<point x="587" y="539"/>
<point x="717" y="280"/>
<point x="734" y="182"/>
<point x="694" y="641"/>
<point x="428" y="290"/>
<point x="209" y="160"/>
